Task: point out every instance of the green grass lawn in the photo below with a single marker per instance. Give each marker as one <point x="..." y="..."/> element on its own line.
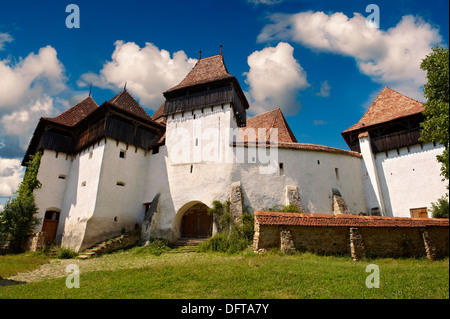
<point x="136" y="274"/>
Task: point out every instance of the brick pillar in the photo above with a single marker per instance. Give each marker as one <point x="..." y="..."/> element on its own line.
<point x="357" y="248"/>
<point x="430" y="248"/>
<point x="286" y="241"/>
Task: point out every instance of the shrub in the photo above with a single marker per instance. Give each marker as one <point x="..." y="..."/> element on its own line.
<point x="283" y="208"/>
<point x="440" y="208"/>
<point x="232" y="237"/>
<point x="66" y="253"/>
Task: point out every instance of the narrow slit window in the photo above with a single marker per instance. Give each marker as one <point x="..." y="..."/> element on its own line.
<point x="120" y="183"/>
<point x="336" y="172"/>
<point x="192" y="167"/>
<point x="281" y="169"/>
<point x="62" y="176"/>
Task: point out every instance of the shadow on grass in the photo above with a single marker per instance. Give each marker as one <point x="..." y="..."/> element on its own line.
<point x="9" y="282"/>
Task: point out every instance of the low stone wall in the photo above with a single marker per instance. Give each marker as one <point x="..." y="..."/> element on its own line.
<point x="357" y="236"/>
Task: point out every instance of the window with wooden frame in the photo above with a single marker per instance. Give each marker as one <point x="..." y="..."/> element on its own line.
<point x="421" y="212"/>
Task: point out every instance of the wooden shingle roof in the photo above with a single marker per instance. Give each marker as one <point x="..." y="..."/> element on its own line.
<point x="75" y="114"/>
<point x="206" y="70"/>
<point x="389" y="105"/>
<point x="269" y="120"/>
<point x="126" y="102"/>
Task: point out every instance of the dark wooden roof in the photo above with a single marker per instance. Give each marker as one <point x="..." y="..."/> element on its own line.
<point x="75" y="114"/>
<point x="126" y="102"/>
<point x="206" y="70"/>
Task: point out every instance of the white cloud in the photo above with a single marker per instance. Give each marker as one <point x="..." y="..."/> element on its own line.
<point x="148" y="71"/>
<point x="324" y="89"/>
<point x="27" y="92"/>
<point x="320" y="122"/>
<point x="389" y="57"/>
<point x="275" y="78"/>
<point x="268" y="2"/>
<point x="4" y="37"/>
<point x="11" y="174"/>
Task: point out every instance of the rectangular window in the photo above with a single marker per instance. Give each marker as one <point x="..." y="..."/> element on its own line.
<point x="83" y="184"/>
<point x="419" y="212"/>
<point x="62" y="176"/>
<point x="155" y="150"/>
<point x="90" y="154"/>
<point x="120" y="184"/>
<point x="122" y="154"/>
<point x="281" y="169"/>
<point x="336" y="172"/>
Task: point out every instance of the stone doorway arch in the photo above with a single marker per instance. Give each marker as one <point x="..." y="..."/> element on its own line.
<point x="196" y="222"/>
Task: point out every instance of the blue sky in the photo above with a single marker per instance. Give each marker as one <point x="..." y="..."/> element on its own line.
<point x="316" y="60"/>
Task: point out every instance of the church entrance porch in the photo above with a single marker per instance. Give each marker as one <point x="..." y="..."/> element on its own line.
<point x="196" y="222"/>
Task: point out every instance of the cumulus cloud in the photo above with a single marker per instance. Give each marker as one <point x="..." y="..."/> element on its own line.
<point x="11" y="174"/>
<point x="275" y="79"/>
<point x="390" y="57"/>
<point x="148" y="71"/>
<point x="28" y="91"/>
<point x="4" y="38"/>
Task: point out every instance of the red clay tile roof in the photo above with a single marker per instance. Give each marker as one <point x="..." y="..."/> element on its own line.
<point x="387" y="106"/>
<point x="75" y="114"/>
<point x="205" y="70"/>
<point x="328" y="220"/>
<point x="126" y="102"/>
<point x="268" y="120"/>
<point x="304" y="147"/>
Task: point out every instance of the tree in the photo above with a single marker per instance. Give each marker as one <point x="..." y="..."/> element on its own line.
<point x="435" y="126"/>
<point x="17" y="219"/>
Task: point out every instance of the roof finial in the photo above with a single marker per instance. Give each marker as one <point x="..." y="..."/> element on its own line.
<point x="220" y="49"/>
<point x="125" y="86"/>
<point x="200" y="57"/>
<point x="90" y="90"/>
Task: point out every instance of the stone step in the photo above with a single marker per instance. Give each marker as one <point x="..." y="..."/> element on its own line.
<point x="192" y="242"/>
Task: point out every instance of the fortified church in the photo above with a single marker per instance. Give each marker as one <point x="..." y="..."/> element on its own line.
<point x="112" y="167"/>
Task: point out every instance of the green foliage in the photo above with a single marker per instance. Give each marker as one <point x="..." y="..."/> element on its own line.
<point x="17" y="219"/>
<point x="155" y="247"/>
<point x="440" y="208"/>
<point x="436" y="90"/>
<point x="232" y="237"/>
<point x="283" y="208"/>
<point x="30" y="182"/>
<point x="66" y="253"/>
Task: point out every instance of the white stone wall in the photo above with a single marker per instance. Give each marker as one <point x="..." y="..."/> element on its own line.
<point x="410" y="179"/>
<point x="51" y="195"/>
<point x="81" y="195"/>
<point x="313" y="172"/>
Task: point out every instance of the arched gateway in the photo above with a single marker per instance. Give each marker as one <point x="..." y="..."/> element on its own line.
<point x="196" y="222"/>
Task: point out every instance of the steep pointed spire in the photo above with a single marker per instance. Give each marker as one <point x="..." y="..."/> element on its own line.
<point x="90" y="90"/>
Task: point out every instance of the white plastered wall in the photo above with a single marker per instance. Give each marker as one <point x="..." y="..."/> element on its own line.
<point x="410" y="178"/>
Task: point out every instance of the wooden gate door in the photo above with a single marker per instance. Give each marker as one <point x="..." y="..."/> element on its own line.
<point x="50" y="226"/>
<point x="196" y="222"/>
